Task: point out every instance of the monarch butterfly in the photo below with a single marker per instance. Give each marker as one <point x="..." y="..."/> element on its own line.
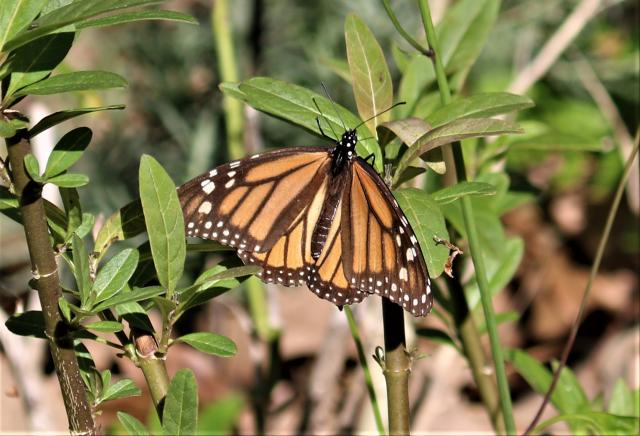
<point x="319" y="216"/>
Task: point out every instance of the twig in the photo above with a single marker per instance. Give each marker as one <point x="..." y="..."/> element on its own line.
<point x="555" y="46"/>
<point x="415" y="44"/>
<point x="45" y="271"/>
<point x="592" y="274"/>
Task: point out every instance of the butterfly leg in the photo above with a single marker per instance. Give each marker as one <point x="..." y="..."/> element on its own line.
<point x="320" y="127"/>
<point x="372" y="157"/>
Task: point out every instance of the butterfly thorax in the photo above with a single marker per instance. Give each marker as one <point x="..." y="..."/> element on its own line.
<point x="344" y="151"/>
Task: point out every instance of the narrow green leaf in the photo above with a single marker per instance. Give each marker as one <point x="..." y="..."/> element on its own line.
<point x="105" y="377"/>
<point x="8" y="128"/>
<point x="81" y="270"/>
<point x="121" y="389"/>
<point x="232" y="90"/>
<point x="73" y="211"/>
<point x="436" y="335"/>
<point x="136" y="316"/>
<point x="479" y="106"/>
<point x="409" y="130"/>
<point x="63" y="304"/>
<point x="372" y="85"/>
<point x="621" y="402"/>
<point x="131" y="17"/>
<point x="32" y="167"/>
<point x="426" y="221"/>
<point x="210" y="343"/>
<point x="69" y="180"/>
<point x="86" y="225"/>
<point x="76" y="81"/>
<point x="164" y="220"/>
<point x="105" y="326"/>
<point x="115" y="274"/>
<point x="220" y="416"/>
<point x="180" y="415"/>
<point x="295" y="104"/>
<point x="454" y="131"/>
<point x="501" y="318"/>
<point x="67" y="151"/>
<point x="59" y="117"/>
<point x="415" y="81"/>
<point x="132" y="425"/>
<point x="137" y="294"/>
<point x="29" y="323"/>
<point x="125" y="223"/>
<point x="35" y="61"/>
<point x="452" y="193"/>
<point x="16" y="15"/>
<point x="597" y="422"/>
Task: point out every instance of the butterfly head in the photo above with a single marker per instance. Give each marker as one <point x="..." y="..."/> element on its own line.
<point x="349" y="140"/>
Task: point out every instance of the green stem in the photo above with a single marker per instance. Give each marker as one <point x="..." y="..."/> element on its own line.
<point x="592" y="275"/>
<point x="45" y="271"/>
<point x="153" y="368"/>
<point x="392" y="16"/>
<point x="397" y="367"/>
<point x="222" y="34"/>
<point x="365" y="368"/>
<point x="472" y="235"/>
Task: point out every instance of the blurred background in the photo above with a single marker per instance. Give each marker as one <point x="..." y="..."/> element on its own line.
<point x="301" y="372"/>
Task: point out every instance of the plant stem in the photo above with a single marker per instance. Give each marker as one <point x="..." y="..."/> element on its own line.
<point x="353" y="327"/>
<point x="472" y="236"/>
<point x="153" y="368"/>
<point x="592" y="275"/>
<point x="397" y="368"/>
<point x="222" y="35"/>
<point x="45" y="272"/>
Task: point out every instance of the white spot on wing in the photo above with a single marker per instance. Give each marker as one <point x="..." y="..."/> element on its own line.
<point x="205" y="207"/>
<point x="403" y="274"/>
<point x="230" y="183"/>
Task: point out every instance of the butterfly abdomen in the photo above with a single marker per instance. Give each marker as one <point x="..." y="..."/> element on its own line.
<point x="328" y="213"/>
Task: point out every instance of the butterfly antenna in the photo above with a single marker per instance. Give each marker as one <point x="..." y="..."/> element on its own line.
<point x="335" y="135"/>
<point x="380" y="113"/>
<point x="335" y="108"/>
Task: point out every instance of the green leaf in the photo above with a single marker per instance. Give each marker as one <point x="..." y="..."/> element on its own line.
<point x="69" y="180"/>
<point x="35" y="61"/>
<point x="409" y="130"/>
<point x="621" y="402"/>
<point x="132" y="425"/>
<point x="76" y="81"/>
<point x="232" y="90"/>
<point x="454" y="192"/>
<point x="81" y="271"/>
<point x="59" y="117"/>
<point x="32" y="167"/>
<point x="597" y="422"/>
<point x="29" y="323"/>
<point x="295" y="104"/>
<point x="65" y="308"/>
<point x="121" y="389"/>
<point x="67" y="151"/>
<point x="437" y="336"/>
<point x="180" y="415"/>
<point x="69" y="14"/>
<point x="501" y="318"/>
<point x="372" y="85"/>
<point x="105" y="326"/>
<point x="137" y="294"/>
<point x="210" y="343"/>
<point x="164" y="220"/>
<point x="427" y="221"/>
<point x="86" y="225"/>
<point x="454" y="131"/>
<point x="8" y="128"/>
<point x="115" y="274"/>
<point x="479" y="106"/>
<point x="15" y="15"/>
<point x="418" y="75"/>
<point x="125" y="223"/>
<point x="73" y="210"/>
<point x="131" y="17"/>
<point x="136" y="316"/>
<point x="220" y="416"/>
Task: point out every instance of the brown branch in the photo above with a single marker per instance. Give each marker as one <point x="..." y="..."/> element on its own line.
<point x="45" y="273"/>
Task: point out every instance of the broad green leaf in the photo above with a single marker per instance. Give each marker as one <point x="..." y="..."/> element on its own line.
<point x="339" y="67"/>
<point x="479" y="106"/>
<point x="427" y="221"/>
<point x="76" y="81"/>
<point x="29" y="323"/>
<point x="15" y="15"/>
<point x="164" y="220"/>
<point x="137" y="294"/>
<point x="69" y="14"/>
<point x="105" y="326"/>
<point x="125" y="223"/>
<point x="417" y="77"/>
<point x="105" y="377"/>
<point x="136" y="316"/>
<point x="452" y="193"/>
<point x="35" y="61"/>
<point x="86" y="224"/>
<point x="69" y="180"/>
<point x="32" y="167"/>
<point x="408" y="174"/>
<point x="81" y="271"/>
<point x="295" y="104"/>
<point x="90" y="375"/>
<point x="131" y="17"/>
<point x="597" y="422"/>
<point x="409" y="130"/>
<point x="121" y="389"/>
<point x="621" y="402"/>
<point x="372" y="85"/>
<point x="132" y="425"/>
<point x="454" y="25"/>
<point x="8" y="128"/>
<point x="210" y="343"/>
<point x="454" y="131"/>
<point x="180" y="415"/>
<point x="232" y="90"/>
<point x="115" y="274"/>
<point x="220" y="416"/>
<point x="59" y="117"/>
<point x="67" y="151"/>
